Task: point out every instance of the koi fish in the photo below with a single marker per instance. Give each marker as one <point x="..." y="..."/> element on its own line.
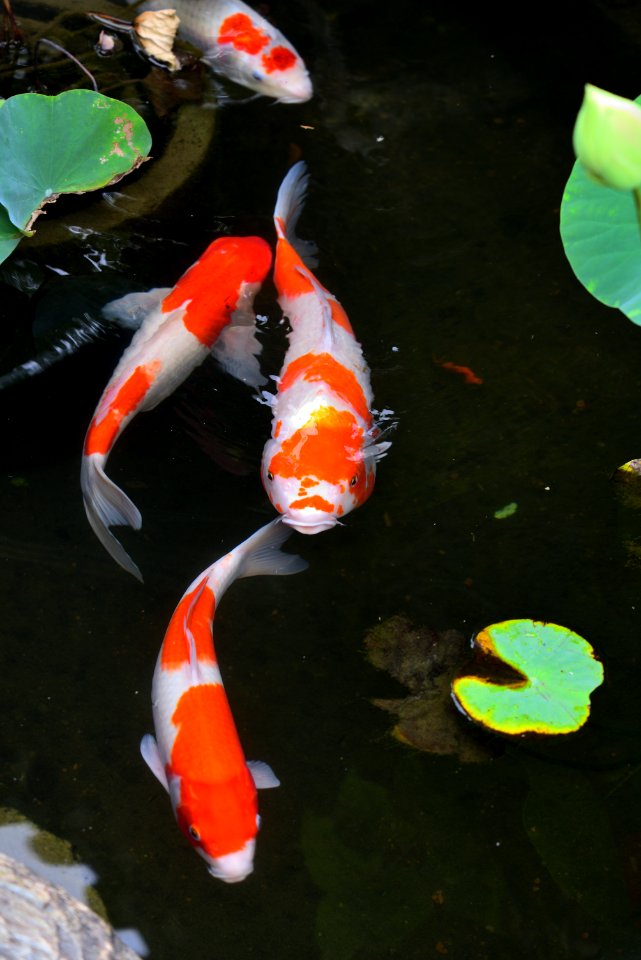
<point x="196" y="754"/>
<point x="210" y="309"/>
<point x="243" y="46"/>
<point x="320" y="462"/>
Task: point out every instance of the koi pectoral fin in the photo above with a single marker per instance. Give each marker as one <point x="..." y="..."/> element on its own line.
<point x="107" y="505"/>
<point x="262" y="775"/>
<point x="151" y="756"/>
<point x="131" y="310"/>
<point x="237" y="350"/>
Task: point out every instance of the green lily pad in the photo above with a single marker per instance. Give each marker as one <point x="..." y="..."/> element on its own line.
<point x="555" y="674"/>
<point x="77" y="141"/>
<point x="602" y="240"/>
<point x="10" y="236"/>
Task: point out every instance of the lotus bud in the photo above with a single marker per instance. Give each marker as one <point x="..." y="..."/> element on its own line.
<point x="607" y="139"/>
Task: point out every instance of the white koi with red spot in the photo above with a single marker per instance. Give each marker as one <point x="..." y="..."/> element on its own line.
<point x="197" y="755"/>
<point x="240" y="44"/>
<point x="321" y="460"/>
<point x="210" y="310"/>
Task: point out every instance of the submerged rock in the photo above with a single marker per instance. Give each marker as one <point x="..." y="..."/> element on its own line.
<point x="40" y="919"/>
<point x="426" y="662"/>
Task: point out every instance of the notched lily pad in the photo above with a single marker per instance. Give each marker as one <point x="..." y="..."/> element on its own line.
<point x="553" y="672"/>
<point x="425" y="662"/>
<point x="77" y="141"/>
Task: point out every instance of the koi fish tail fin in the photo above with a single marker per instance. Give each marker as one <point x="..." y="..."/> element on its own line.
<point x="289" y="206"/>
<point x="107" y="505"/>
<point x="260" y="554"/>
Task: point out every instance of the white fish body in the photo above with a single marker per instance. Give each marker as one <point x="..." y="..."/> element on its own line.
<point x="240" y="44"/>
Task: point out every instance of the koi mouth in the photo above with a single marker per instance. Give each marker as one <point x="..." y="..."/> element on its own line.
<point x="229" y="877"/>
<point x="310" y="526"/>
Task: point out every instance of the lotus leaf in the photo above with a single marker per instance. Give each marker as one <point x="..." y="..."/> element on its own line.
<point x="556" y="672"/>
<point x="10" y="236"/>
<point x="602" y="241"/>
<point x="77" y="141"/>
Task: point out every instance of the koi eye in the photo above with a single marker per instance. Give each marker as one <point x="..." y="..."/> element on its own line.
<point x="354" y="480"/>
<point x="270" y="475"/>
<point x="257" y="76"/>
<point x="194" y="833"/>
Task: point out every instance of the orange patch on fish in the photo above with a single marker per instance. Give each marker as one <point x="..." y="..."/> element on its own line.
<point x="206" y="746"/>
<point x="326" y="447"/>
<point x="278" y="427"/>
<point x="288" y="279"/>
<point x="103" y="430"/>
<point x="321" y="367"/>
<point x="196" y="613"/>
<point x="340" y="317"/>
<point x="278" y="58"/>
<point x="225" y="817"/>
<point x="210" y="287"/>
<point x="239" y="30"/>
<point x="318" y="503"/>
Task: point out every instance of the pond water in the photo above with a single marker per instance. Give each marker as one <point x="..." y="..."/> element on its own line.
<point x="438" y="145"/>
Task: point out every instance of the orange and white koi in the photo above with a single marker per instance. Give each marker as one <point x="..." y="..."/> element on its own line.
<point x="320" y="462"/>
<point x="196" y="754"/>
<point x="240" y="44"/>
<point x="210" y="310"/>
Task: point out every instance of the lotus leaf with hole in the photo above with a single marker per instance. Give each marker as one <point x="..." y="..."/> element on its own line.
<point x="555" y="670"/>
<point x="77" y="141"/>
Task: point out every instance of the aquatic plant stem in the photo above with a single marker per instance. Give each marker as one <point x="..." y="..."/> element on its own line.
<point x="56" y="46"/>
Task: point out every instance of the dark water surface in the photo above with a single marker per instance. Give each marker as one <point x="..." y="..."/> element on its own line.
<point x="438" y="145"/>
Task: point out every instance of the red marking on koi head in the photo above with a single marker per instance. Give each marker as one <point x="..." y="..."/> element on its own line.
<point x="104" y="427"/>
<point x="278" y="58"/>
<point x="195" y="613"/>
<point x="317" y="502"/>
<point x="326" y="448"/>
<point x="243" y="34"/>
<point x="212" y="285"/>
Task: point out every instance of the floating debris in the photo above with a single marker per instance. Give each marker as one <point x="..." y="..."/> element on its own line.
<point x="156" y="32"/>
<point x="466" y="372"/>
<point x="507" y="511"/>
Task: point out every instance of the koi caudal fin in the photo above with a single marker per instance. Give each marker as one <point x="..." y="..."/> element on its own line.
<point x="289" y="206"/>
<point x="260" y="554"/>
<point x="106" y="505"/>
